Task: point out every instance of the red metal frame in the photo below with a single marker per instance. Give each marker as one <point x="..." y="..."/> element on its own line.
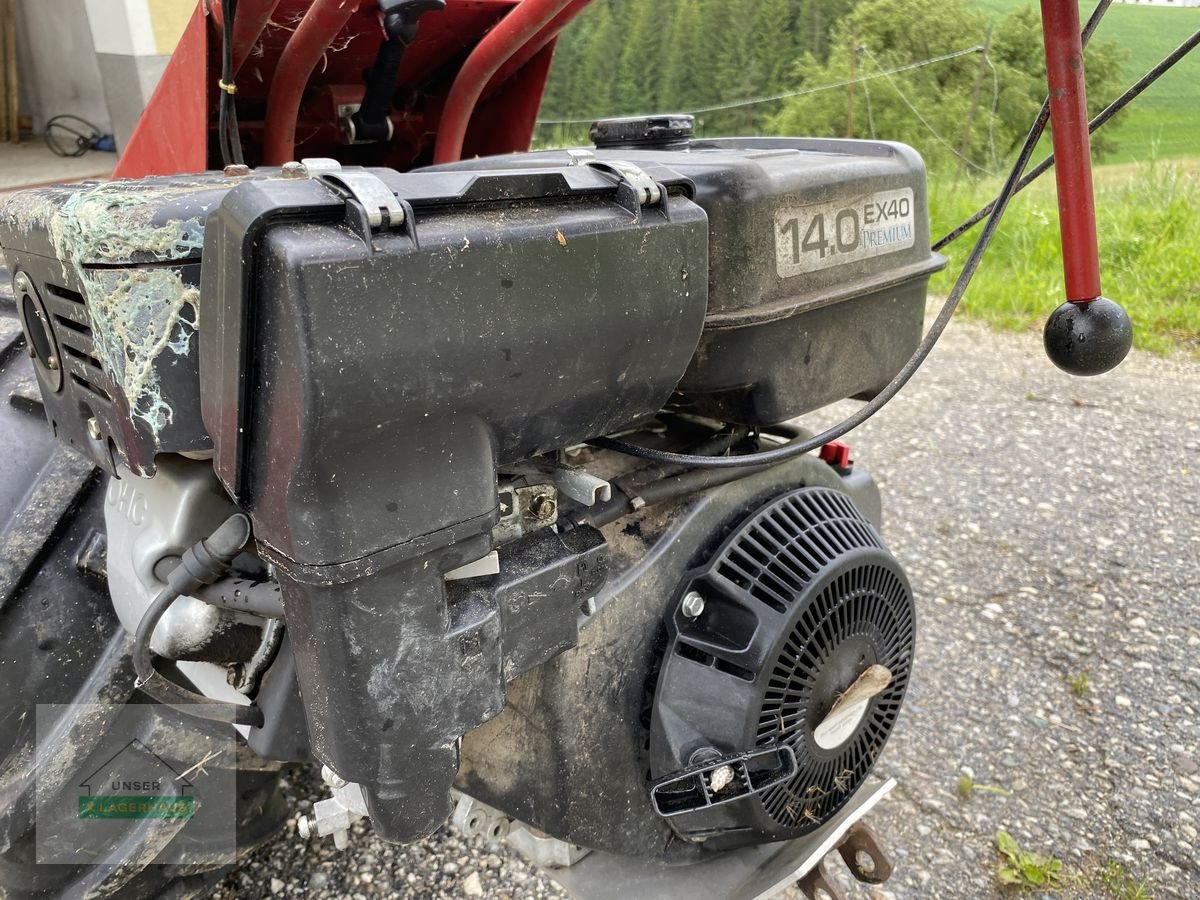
<point x="1072" y="149"/>
<point x="172" y="134"/>
<point x="249" y="28"/>
<point x="312" y="39"/>
<point x="518" y="28"/>
<point x="291" y="80"/>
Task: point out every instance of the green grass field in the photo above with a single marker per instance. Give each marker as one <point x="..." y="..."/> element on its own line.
<point x="1150" y="258"/>
<point x="1164" y="123"/>
<point x="1147" y="201"/>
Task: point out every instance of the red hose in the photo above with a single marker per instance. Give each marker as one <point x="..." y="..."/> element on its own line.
<point x="517" y="28"/>
<point x="1072" y="149"/>
<point x="316" y="31"/>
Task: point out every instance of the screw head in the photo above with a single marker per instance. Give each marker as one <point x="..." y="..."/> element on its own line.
<point x="692" y="605"/>
<point x="294" y="170"/>
<point x="237" y="170"/>
<point x="304" y="827"/>
<point x="332" y="778"/>
<point x="21" y="283"/>
<point x="544" y="507"/>
<point x="93" y="429"/>
<point x="52" y="362"/>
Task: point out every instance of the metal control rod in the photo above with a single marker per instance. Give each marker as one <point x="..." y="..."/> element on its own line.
<point x="1089" y="334"/>
<point x="1072" y="149"/>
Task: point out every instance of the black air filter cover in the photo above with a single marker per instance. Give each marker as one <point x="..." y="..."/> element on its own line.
<point x="797" y="603"/>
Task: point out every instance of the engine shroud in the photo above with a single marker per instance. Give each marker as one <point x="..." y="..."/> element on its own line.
<point x="797" y="604"/>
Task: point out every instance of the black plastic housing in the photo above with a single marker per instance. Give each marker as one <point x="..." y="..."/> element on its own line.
<point x="800" y="314"/>
<point x="362" y="383"/>
<point x="796" y="605"/>
<point x="570" y="753"/>
<point x="114" y="270"/>
<point x="360" y="391"/>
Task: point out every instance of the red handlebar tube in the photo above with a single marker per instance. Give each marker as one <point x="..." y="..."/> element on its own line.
<point x="520" y="26"/>
<point x="321" y="24"/>
<point x="1072" y="149"/>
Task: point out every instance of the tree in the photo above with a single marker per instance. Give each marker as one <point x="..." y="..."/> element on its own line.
<point x="633" y="56"/>
<point x="594" y="88"/>
<point x="638" y="74"/>
<point x="683" y="67"/>
<point x="928" y="106"/>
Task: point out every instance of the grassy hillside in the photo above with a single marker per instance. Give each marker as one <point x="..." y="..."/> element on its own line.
<point x="1149" y="257"/>
<point x="1164" y="122"/>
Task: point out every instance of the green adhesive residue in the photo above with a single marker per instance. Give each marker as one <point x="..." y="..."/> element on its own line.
<point x="136" y="313"/>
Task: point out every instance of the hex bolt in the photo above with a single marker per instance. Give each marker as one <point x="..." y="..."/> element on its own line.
<point x="236" y="170"/>
<point x="544" y="507"/>
<point x="692" y="605"/>
<point x="93" y="429"/>
<point x="294" y="170"/>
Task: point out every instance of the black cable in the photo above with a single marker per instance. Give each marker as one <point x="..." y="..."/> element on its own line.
<point x="81" y="141"/>
<point x="1102" y="117"/>
<point x="202" y="563"/>
<point x="671" y="487"/>
<point x="227" y="124"/>
<point x="799" y="448"/>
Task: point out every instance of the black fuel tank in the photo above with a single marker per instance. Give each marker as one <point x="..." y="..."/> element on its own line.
<point x="819" y="261"/>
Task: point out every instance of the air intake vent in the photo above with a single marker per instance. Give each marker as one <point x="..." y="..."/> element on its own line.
<point x="799" y="605"/>
<point x="72" y="328"/>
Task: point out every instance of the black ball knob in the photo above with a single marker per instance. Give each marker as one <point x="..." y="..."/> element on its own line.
<point x="1088" y="338"/>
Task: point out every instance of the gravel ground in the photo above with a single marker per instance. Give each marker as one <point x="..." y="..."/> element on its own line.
<point x="1050" y="528"/>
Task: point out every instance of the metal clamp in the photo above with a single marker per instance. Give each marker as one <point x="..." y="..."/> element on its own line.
<point x="648" y="190"/>
<point x="382" y="207"/>
<point x="580" y="486"/>
<point x="335" y="815"/>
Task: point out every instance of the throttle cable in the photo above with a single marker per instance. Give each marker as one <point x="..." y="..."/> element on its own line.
<point x="998" y="206"/>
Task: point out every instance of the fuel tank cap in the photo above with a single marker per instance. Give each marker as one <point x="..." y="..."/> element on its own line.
<point x="643" y="131"/>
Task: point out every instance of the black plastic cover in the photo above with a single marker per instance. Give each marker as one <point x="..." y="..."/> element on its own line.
<point x="819" y="260"/>
<point x="570" y="752"/>
<point x="113" y="268"/>
<point x="362" y="382"/>
<point x="360" y="390"/>
<point x="797" y="604"/>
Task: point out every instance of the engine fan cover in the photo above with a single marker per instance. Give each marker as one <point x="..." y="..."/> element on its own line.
<point x="763" y="639"/>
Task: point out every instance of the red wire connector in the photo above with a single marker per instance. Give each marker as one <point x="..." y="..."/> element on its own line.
<point x="837" y="455"/>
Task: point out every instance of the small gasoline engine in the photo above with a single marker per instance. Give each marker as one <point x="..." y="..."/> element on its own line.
<point x="409" y="384"/>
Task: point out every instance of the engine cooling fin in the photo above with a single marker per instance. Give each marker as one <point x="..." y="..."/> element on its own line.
<point x="800" y="604"/>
